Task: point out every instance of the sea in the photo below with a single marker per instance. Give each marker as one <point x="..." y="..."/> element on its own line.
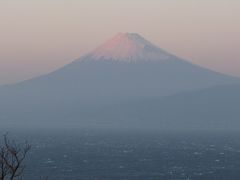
<point x="110" y="154"/>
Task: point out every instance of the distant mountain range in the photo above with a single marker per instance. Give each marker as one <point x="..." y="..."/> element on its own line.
<point x="212" y="108"/>
<point x="125" y="70"/>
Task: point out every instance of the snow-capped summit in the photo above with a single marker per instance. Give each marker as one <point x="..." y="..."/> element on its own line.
<point x="129" y="47"/>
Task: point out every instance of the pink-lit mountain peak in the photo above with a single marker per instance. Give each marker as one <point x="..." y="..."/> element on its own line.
<point x="128" y="47"/>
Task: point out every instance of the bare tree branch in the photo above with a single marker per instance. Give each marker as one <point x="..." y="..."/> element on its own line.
<point x="12" y="156"/>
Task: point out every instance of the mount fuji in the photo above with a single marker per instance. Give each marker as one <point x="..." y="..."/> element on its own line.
<point x="125" y="68"/>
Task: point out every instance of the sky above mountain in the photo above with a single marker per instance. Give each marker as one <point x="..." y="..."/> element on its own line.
<point x="37" y="37"/>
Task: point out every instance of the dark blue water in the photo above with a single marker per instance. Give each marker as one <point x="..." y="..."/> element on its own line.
<point x="126" y="155"/>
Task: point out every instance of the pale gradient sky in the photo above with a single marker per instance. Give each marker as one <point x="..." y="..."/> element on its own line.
<point x="38" y="36"/>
